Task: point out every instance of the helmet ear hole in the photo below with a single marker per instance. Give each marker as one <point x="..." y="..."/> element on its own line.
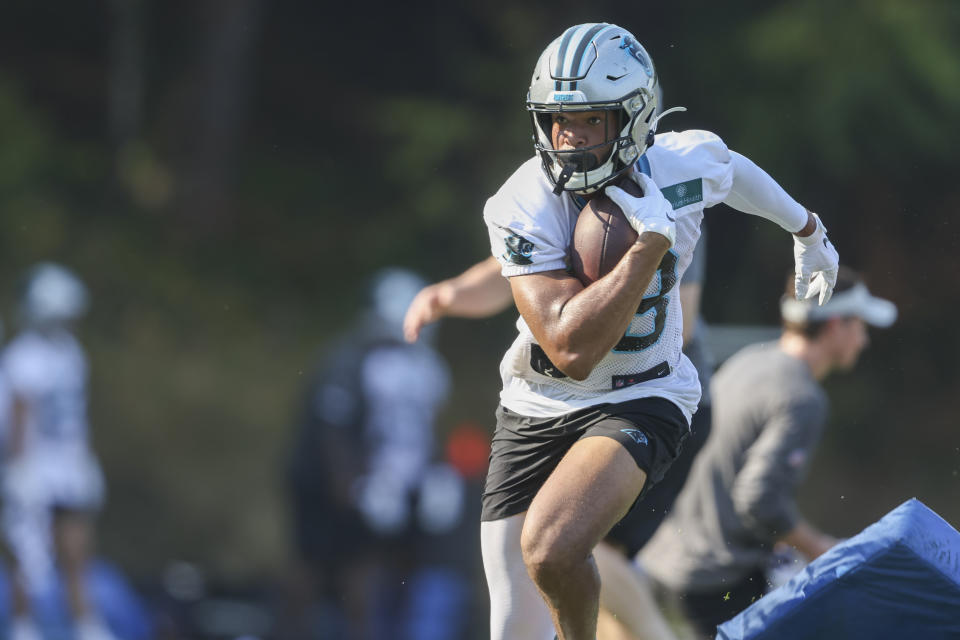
<point x="650" y="138"/>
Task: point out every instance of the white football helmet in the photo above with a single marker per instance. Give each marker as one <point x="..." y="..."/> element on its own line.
<point x="594" y="67"/>
<point x="51" y="295"/>
<point x="392" y="289"/>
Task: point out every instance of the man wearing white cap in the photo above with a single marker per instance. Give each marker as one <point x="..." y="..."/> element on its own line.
<point x="769" y="410"/>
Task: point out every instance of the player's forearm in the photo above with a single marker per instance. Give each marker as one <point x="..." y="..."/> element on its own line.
<point x="755" y="192"/>
<point x="591" y="322"/>
<point x="478" y="292"/>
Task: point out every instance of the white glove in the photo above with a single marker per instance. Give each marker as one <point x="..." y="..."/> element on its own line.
<point x="650" y="212"/>
<point x="816" y="263"/>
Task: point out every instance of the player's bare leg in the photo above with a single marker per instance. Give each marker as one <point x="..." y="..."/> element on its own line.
<point x="22" y="626"/>
<point x="73" y="538"/>
<point x="589" y="491"/>
<point x="19" y="599"/>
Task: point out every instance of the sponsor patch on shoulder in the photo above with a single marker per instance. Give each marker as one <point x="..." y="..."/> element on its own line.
<point x="684" y="193"/>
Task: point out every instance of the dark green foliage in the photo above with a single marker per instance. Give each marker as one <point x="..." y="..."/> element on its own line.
<point x="227" y="220"/>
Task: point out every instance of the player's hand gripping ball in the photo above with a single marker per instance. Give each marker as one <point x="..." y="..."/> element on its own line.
<point x="608" y="225"/>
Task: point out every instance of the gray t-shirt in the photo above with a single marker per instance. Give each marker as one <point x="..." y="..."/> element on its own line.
<point x="740" y="497"/>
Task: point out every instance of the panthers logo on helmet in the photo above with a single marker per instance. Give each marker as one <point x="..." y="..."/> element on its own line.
<point x="519" y="249"/>
<point x="634" y="48"/>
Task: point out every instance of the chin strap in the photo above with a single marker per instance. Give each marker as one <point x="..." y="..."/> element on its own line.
<point x="564" y="176"/>
<point x="582" y="161"/>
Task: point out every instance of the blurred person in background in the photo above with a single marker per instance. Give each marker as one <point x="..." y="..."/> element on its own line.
<point x="370" y="494"/>
<point x="444" y="602"/>
<point x="53" y="485"/>
<point x="627" y="609"/>
<point x="711" y="553"/>
<point x="22" y="626"/>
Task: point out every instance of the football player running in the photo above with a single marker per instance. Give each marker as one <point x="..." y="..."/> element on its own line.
<point x="597" y="396"/>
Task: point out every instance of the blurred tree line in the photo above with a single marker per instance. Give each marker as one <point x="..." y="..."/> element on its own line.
<point x="226" y="174"/>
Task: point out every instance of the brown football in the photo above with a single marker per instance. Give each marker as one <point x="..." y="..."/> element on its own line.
<point x="602" y="235"/>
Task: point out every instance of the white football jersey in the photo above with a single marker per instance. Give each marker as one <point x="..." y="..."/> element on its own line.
<point x="50" y="372"/>
<point x="531" y="230"/>
<point x="405" y="388"/>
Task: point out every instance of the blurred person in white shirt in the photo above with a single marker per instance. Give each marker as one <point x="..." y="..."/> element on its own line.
<point x="53" y="485"/>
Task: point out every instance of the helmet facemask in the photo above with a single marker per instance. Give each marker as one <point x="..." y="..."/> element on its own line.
<point x="593" y="67"/>
<point x="579" y="170"/>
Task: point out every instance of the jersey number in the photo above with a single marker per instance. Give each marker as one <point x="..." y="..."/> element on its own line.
<point x="655" y="304"/>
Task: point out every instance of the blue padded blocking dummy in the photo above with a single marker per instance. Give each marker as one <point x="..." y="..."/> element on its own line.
<point x="898" y="578"/>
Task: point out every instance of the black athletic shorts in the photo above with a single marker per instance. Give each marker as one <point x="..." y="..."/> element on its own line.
<point x="637" y="527"/>
<point x="525" y="450"/>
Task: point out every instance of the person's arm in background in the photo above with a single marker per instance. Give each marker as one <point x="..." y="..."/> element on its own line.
<point x="690" y="303"/>
<point x="13" y="385"/>
<point x="18" y="427"/>
<point x="691" y="288"/>
<point x="808" y="540"/>
<point x="478" y="292"/>
<point x="764" y="490"/>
